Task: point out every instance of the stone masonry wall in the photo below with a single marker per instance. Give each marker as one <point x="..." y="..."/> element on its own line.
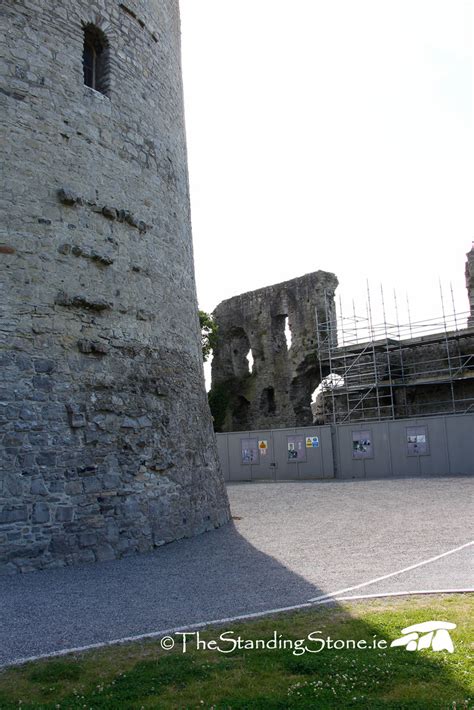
<point x="470" y="283"/>
<point x="277" y="392"/>
<point x="106" y="442"/>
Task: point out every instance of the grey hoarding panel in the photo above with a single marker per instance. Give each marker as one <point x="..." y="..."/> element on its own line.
<point x="461" y="444"/>
<point x="450" y="449"/>
<point x="437" y="463"/>
<point x="362" y="444"/>
<point x="417" y="441"/>
<point x="265" y="469"/>
<point x="295" y="448"/>
<point x="347" y="466"/>
<point x="402" y="464"/>
<point x="319" y="460"/>
<point x="237" y="470"/>
<point x="285" y="470"/>
<point x="249" y="451"/>
<point x="380" y="465"/>
<point x="327" y="452"/>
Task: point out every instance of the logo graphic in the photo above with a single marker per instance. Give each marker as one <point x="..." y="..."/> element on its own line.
<point x="434" y="635"/>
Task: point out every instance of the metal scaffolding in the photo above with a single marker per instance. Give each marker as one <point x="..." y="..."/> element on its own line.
<point x="389" y="370"/>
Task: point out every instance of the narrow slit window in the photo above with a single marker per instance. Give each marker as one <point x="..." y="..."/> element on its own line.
<point x="90" y="61"/>
<point x="95" y="59"/>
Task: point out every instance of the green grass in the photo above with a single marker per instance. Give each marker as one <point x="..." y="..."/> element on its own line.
<point x="144" y="676"/>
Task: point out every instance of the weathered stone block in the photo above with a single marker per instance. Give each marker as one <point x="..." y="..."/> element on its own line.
<point x="13" y="515"/>
<point x="13" y="440"/>
<point x="64" y="514"/>
<point x="111" y="481"/>
<point x="23" y="362"/>
<point x="73" y="488"/>
<point x="87" y="539"/>
<point x="109" y="212"/>
<point x="42" y="365"/>
<point x="63" y="544"/>
<point x="43" y="383"/>
<point x="37" y="487"/>
<point x="82" y="301"/>
<point x="77" y="418"/>
<point x="27" y="414"/>
<point x="69" y="197"/>
<point x="41" y="513"/>
<point x="92" y="484"/>
<point x="13" y="486"/>
<point x="46" y="458"/>
<point x="93" y="347"/>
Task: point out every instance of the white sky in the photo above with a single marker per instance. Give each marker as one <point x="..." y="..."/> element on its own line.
<point x="333" y="135"/>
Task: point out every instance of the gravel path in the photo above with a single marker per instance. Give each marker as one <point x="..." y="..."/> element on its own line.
<point x="291" y="542"/>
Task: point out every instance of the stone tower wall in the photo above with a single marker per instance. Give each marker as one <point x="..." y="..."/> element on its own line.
<point x="470" y="284"/>
<point x="106" y="443"/>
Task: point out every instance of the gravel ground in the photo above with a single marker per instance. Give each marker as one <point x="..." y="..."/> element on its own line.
<point x="289" y="542"/>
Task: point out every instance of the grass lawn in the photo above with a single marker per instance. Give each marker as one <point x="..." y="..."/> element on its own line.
<point x="142" y="675"/>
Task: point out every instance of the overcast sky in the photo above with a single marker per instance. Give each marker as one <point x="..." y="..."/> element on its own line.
<point x="334" y="135"/>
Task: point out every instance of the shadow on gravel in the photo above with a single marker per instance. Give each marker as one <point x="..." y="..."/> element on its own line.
<point x="207" y="578"/>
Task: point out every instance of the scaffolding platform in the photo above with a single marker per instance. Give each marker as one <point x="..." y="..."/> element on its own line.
<point x="393" y="370"/>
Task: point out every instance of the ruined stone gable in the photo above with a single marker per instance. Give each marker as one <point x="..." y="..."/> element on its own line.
<point x="277" y="391"/>
<point x="470" y="283"/>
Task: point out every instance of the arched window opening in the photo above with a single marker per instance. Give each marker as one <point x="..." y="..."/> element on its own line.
<point x="287" y="333"/>
<point x="250" y="360"/>
<point x="331" y="382"/>
<point x="95" y="59"/>
<point x="267" y="401"/>
<point x="239" y="351"/>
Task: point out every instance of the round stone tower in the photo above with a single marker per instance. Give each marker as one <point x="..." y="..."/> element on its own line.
<point x="106" y="442"/>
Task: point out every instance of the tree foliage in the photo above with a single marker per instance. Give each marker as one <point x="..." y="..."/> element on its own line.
<point x="208" y="334"/>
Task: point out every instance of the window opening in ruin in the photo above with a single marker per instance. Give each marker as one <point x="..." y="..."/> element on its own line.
<point x="332" y="381"/>
<point x="287" y="333"/>
<point x="267" y="401"/>
<point x="95" y="59"/>
<point x="250" y="360"/>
